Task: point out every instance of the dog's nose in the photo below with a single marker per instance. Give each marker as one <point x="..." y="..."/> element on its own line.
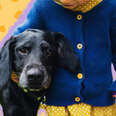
<point x="34" y="74"/>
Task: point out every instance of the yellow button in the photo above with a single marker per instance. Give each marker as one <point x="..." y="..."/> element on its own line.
<point x="77" y="99"/>
<point x="79" y="17"/>
<point x="79" y="75"/>
<point x="79" y="46"/>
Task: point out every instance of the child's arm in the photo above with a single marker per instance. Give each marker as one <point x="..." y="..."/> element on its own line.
<point x="113" y="47"/>
<point x="95" y="88"/>
<point x="33" y="20"/>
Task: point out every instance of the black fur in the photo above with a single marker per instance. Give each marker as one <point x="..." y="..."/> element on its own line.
<point x="33" y="55"/>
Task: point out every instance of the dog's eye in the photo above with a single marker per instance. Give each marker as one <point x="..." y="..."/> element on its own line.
<point x="44" y="45"/>
<point x="46" y="49"/>
<point x="49" y="52"/>
<point x="23" y="51"/>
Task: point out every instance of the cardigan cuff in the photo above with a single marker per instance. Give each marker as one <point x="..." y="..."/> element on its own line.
<point x="113" y="89"/>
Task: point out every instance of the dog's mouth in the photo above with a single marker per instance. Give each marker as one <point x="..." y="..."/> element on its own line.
<point x="35" y="91"/>
<point x="36" y="86"/>
<point x="26" y="90"/>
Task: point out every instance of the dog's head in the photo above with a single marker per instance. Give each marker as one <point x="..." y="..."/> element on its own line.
<point x="34" y="55"/>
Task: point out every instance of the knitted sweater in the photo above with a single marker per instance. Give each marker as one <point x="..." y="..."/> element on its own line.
<point x="93" y="37"/>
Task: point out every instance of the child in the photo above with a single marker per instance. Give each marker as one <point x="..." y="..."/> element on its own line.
<point x="90" y="26"/>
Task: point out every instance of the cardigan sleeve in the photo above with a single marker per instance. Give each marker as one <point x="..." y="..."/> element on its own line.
<point x="113" y="38"/>
<point x="34" y="19"/>
<point x="113" y="47"/>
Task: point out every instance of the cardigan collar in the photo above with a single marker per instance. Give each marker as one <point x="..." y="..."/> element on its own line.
<point x="84" y="7"/>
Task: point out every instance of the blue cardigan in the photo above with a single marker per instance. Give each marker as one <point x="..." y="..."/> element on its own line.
<point x="93" y="37"/>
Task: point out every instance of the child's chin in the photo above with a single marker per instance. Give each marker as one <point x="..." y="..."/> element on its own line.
<point x="70" y="7"/>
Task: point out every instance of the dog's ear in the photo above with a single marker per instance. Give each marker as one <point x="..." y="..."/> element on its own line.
<point x="5" y="62"/>
<point x="67" y="58"/>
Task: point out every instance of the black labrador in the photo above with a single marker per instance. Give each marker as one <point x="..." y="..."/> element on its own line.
<point x="34" y="56"/>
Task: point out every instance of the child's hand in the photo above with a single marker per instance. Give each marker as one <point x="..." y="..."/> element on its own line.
<point x="114" y="94"/>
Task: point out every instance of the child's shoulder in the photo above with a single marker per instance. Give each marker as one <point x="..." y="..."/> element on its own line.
<point x="45" y="2"/>
<point x="112" y="3"/>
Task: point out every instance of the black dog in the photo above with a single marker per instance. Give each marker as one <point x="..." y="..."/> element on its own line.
<point x="33" y="55"/>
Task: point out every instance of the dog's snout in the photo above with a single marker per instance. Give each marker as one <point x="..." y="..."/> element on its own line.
<point x="34" y="74"/>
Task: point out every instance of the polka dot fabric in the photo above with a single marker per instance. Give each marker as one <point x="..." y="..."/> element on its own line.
<point x="88" y="6"/>
<point x="85" y="7"/>
<point x="10" y="10"/>
<point x="81" y="109"/>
